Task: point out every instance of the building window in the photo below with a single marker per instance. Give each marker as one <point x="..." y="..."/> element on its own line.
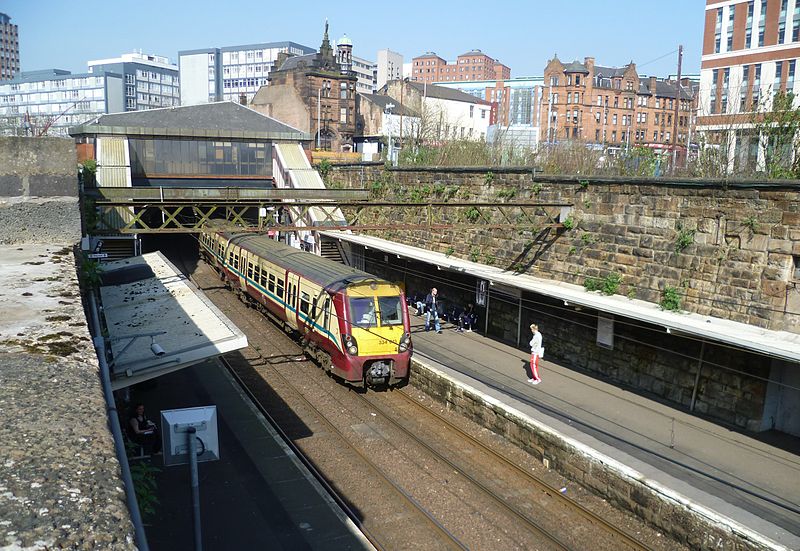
<point x="790" y="76"/>
<point x="782" y="22"/>
<point x="762" y="23"/>
<point x="776" y="85"/>
<point x="725" y="81"/>
<point x="743" y="89"/>
<point x="714" y="78"/>
<point x="796" y="23"/>
<point x="731" y="12"/>
<point x="748" y="34"/>
<point x="343" y="115"/>
<point x="756" y="96"/>
<point x="718" y="31"/>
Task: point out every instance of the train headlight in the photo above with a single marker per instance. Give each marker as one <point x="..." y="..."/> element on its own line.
<point x="405" y="342"/>
<point x="351" y="345"/>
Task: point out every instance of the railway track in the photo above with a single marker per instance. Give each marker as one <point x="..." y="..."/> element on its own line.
<point x="619" y="535"/>
<point x="436" y="533"/>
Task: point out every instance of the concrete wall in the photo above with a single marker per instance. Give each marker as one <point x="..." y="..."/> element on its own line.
<point x="38" y="167"/>
<point x="38" y="191"/>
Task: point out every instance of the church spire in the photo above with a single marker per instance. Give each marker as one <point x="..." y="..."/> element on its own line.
<point x="325" y="49"/>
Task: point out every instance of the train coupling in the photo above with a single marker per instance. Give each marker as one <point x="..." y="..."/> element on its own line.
<point x="378" y="372"/>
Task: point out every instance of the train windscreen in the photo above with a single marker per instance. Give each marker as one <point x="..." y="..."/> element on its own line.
<point x="362" y="311"/>
<point x="391" y="310"/>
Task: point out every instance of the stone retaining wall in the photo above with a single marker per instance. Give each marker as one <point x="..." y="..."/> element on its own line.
<point x="679" y="522"/>
<point x="730" y="249"/>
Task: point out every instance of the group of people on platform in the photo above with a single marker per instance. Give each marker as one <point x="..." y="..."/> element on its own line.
<point x="465" y="320"/>
<point x="435" y="311"/>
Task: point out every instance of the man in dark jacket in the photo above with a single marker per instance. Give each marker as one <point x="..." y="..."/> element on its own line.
<point x="432" y="311"/>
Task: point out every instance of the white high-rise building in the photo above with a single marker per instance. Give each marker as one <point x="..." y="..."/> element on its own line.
<point x="388" y="67"/>
<point x="217" y="74"/>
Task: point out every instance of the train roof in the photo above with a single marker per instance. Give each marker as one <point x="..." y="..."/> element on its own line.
<point x="330" y="274"/>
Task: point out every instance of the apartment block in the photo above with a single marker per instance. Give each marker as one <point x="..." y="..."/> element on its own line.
<point x="470" y="66"/>
<point x="615" y="106"/>
<point x="151" y="81"/>
<point x="9" y="48"/>
<point x="48" y="102"/>
<point x="750" y="53"/>
<point x="217" y="74"/>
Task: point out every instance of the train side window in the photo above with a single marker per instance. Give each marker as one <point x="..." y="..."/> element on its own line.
<point x="314" y="310"/>
<point x="304" y="303"/>
<point x="230" y="258"/>
<point x="280" y="288"/>
<point x="262" y="276"/>
<point x="271" y="286"/>
<point x="249" y="269"/>
<point x="327" y="312"/>
<point x="236" y="261"/>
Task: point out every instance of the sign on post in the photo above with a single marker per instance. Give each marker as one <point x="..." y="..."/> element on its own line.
<point x="175" y="424"/>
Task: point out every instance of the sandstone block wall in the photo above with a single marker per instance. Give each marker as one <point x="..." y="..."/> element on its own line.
<point x="730" y="249"/>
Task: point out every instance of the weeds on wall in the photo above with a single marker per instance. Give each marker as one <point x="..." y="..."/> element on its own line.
<point x="750" y="223"/>
<point x="684" y="238"/>
<point x="670" y="299"/>
<point x="608" y="285"/>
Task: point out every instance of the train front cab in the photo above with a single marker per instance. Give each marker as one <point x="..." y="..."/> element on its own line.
<point x="377" y="338"/>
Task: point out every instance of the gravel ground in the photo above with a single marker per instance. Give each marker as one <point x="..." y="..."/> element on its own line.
<point x="40" y="221"/>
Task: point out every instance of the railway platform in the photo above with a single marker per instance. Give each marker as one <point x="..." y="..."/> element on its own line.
<point x="257" y="495"/>
<point x="753" y="483"/>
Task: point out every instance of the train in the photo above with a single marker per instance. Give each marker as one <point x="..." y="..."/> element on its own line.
<point x="355" y="325"/>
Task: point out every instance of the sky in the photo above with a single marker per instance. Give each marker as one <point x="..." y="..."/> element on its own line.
<point x="524" y="35"/>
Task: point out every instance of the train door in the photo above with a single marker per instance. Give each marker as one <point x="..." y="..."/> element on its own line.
<point x="292" y="284"/>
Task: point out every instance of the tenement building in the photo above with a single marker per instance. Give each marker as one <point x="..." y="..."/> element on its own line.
<point x="614" y="107"/>
<point x="750" y="51"/>
<point x="9" y="48"/>
<point x="472" y="65"/>
<point x="315" y="93"/>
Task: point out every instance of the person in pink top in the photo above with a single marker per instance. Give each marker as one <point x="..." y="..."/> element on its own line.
<point x="537" y="352"/>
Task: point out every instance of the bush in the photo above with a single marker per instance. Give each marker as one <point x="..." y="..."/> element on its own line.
<point x="670" y="299"/>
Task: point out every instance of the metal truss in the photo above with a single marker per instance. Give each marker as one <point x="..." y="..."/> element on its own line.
<point x="161" y="210"/>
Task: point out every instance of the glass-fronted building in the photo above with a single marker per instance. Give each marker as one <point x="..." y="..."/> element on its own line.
<point x="225" y="74"/>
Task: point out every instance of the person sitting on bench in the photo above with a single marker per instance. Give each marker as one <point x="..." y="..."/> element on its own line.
<point x="143" y="431"/>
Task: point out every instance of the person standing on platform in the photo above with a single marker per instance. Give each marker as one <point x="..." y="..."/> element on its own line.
<point x="537" y="352"/>
<point x="432" y="311"/>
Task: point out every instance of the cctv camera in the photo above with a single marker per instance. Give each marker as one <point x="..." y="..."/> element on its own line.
<point x="157" y="350"/>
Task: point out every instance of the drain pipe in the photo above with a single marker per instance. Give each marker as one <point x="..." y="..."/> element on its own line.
<point x="116" y="431"/>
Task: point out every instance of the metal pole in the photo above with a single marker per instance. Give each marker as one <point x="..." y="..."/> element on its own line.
<point x="319" y="115"/>
<point x="677" y="111"/>
<point x="697" y="377"/>
<point x="198" y="537"/>
<point x="486" y="317"/>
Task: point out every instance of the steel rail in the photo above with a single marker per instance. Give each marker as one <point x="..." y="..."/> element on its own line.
<point x="543" y="486"/>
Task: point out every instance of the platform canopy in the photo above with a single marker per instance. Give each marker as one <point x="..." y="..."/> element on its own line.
<point x="777" y="344"/>
<point x="158" y="321"/>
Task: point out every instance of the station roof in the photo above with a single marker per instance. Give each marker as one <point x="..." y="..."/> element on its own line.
<point x="224" y="119"/>
<point x="147" y="300"/>
<point x="777" y="344"/>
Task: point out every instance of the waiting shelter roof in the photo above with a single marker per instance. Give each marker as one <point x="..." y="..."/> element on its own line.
<point x="158" y="321"/>
<point x="778" y="344"/>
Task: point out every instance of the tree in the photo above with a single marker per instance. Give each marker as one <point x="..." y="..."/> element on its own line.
<point x="778" y="129"/>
